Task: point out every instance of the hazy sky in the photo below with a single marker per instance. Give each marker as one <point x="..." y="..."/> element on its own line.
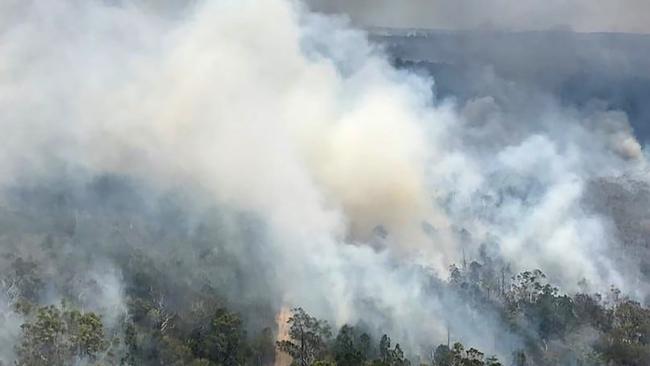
<point x="580" y="15"/>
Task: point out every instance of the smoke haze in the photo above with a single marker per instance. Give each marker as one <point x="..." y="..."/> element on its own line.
<point x="630" y="16"/>
<point x="289" y="142"/>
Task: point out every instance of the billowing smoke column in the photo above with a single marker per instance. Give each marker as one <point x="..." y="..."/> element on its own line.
<point x="362" y="180"/>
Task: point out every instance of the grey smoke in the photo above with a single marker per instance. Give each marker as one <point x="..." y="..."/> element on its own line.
<point x="276" y="142"/>
<point x="584" y="71"/>
<point x="630" y="16"/>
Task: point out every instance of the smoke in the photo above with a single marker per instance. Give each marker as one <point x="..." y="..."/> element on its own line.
<point x="10" y="324"/>
<point x="296" y="121"/>
<point x="282" y="319"/>
<point x="579" y="15"/>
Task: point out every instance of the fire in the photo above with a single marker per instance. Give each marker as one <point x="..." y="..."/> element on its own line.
<point x="281" y="319"/>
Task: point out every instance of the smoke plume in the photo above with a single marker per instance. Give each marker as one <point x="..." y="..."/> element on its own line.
<point x="361" y="186"/>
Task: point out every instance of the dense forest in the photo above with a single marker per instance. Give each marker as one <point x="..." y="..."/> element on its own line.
<point x="201" y="329"/>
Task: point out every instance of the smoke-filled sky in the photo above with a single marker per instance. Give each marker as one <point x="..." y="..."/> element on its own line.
<point x="580" y="15"/>
<point x="298" y="120"/>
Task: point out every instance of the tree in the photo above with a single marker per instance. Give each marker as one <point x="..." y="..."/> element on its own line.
<point x="555" y="313"/>
<point x="24" y="281"/>
<point x="131" y="345"/>
<point x="263" y="348"/>
<point x="628" y="342"/>
<point x="347" y="350"/>
<point x="308" y="338"/>
<point x="455" y="276"/>
<point x="590" y="312"/>
<point x="86" y="333"/>
<point x="459" y="356"/>
<point x="58" y="337"/>
<point x="324" y="363"/>
<point x="43" y="339"/>
<point x="397" y="357"/>
<point x="526" y="287"/>
<point x="224" y="341"/>
<point x="539" y="302"/>
<point x="364" y="345"/>
<point x="442" y="356"/>
<point x="519" y="358"/>
<point x="384" y="349"/>
<point x="388" y="356"/>
<point x="492" y="361"/>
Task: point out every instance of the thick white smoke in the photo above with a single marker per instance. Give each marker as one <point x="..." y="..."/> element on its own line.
<point x="9" y="329"/>
<point x="261" y="107"/>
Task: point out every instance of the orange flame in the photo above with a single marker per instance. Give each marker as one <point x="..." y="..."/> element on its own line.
<point x="281" y="319"/>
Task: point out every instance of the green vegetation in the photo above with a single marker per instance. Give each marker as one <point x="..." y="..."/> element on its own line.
<point x="57" y="336"/>
<point x="208" y="333"/>
<point x="164" y="323"/>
